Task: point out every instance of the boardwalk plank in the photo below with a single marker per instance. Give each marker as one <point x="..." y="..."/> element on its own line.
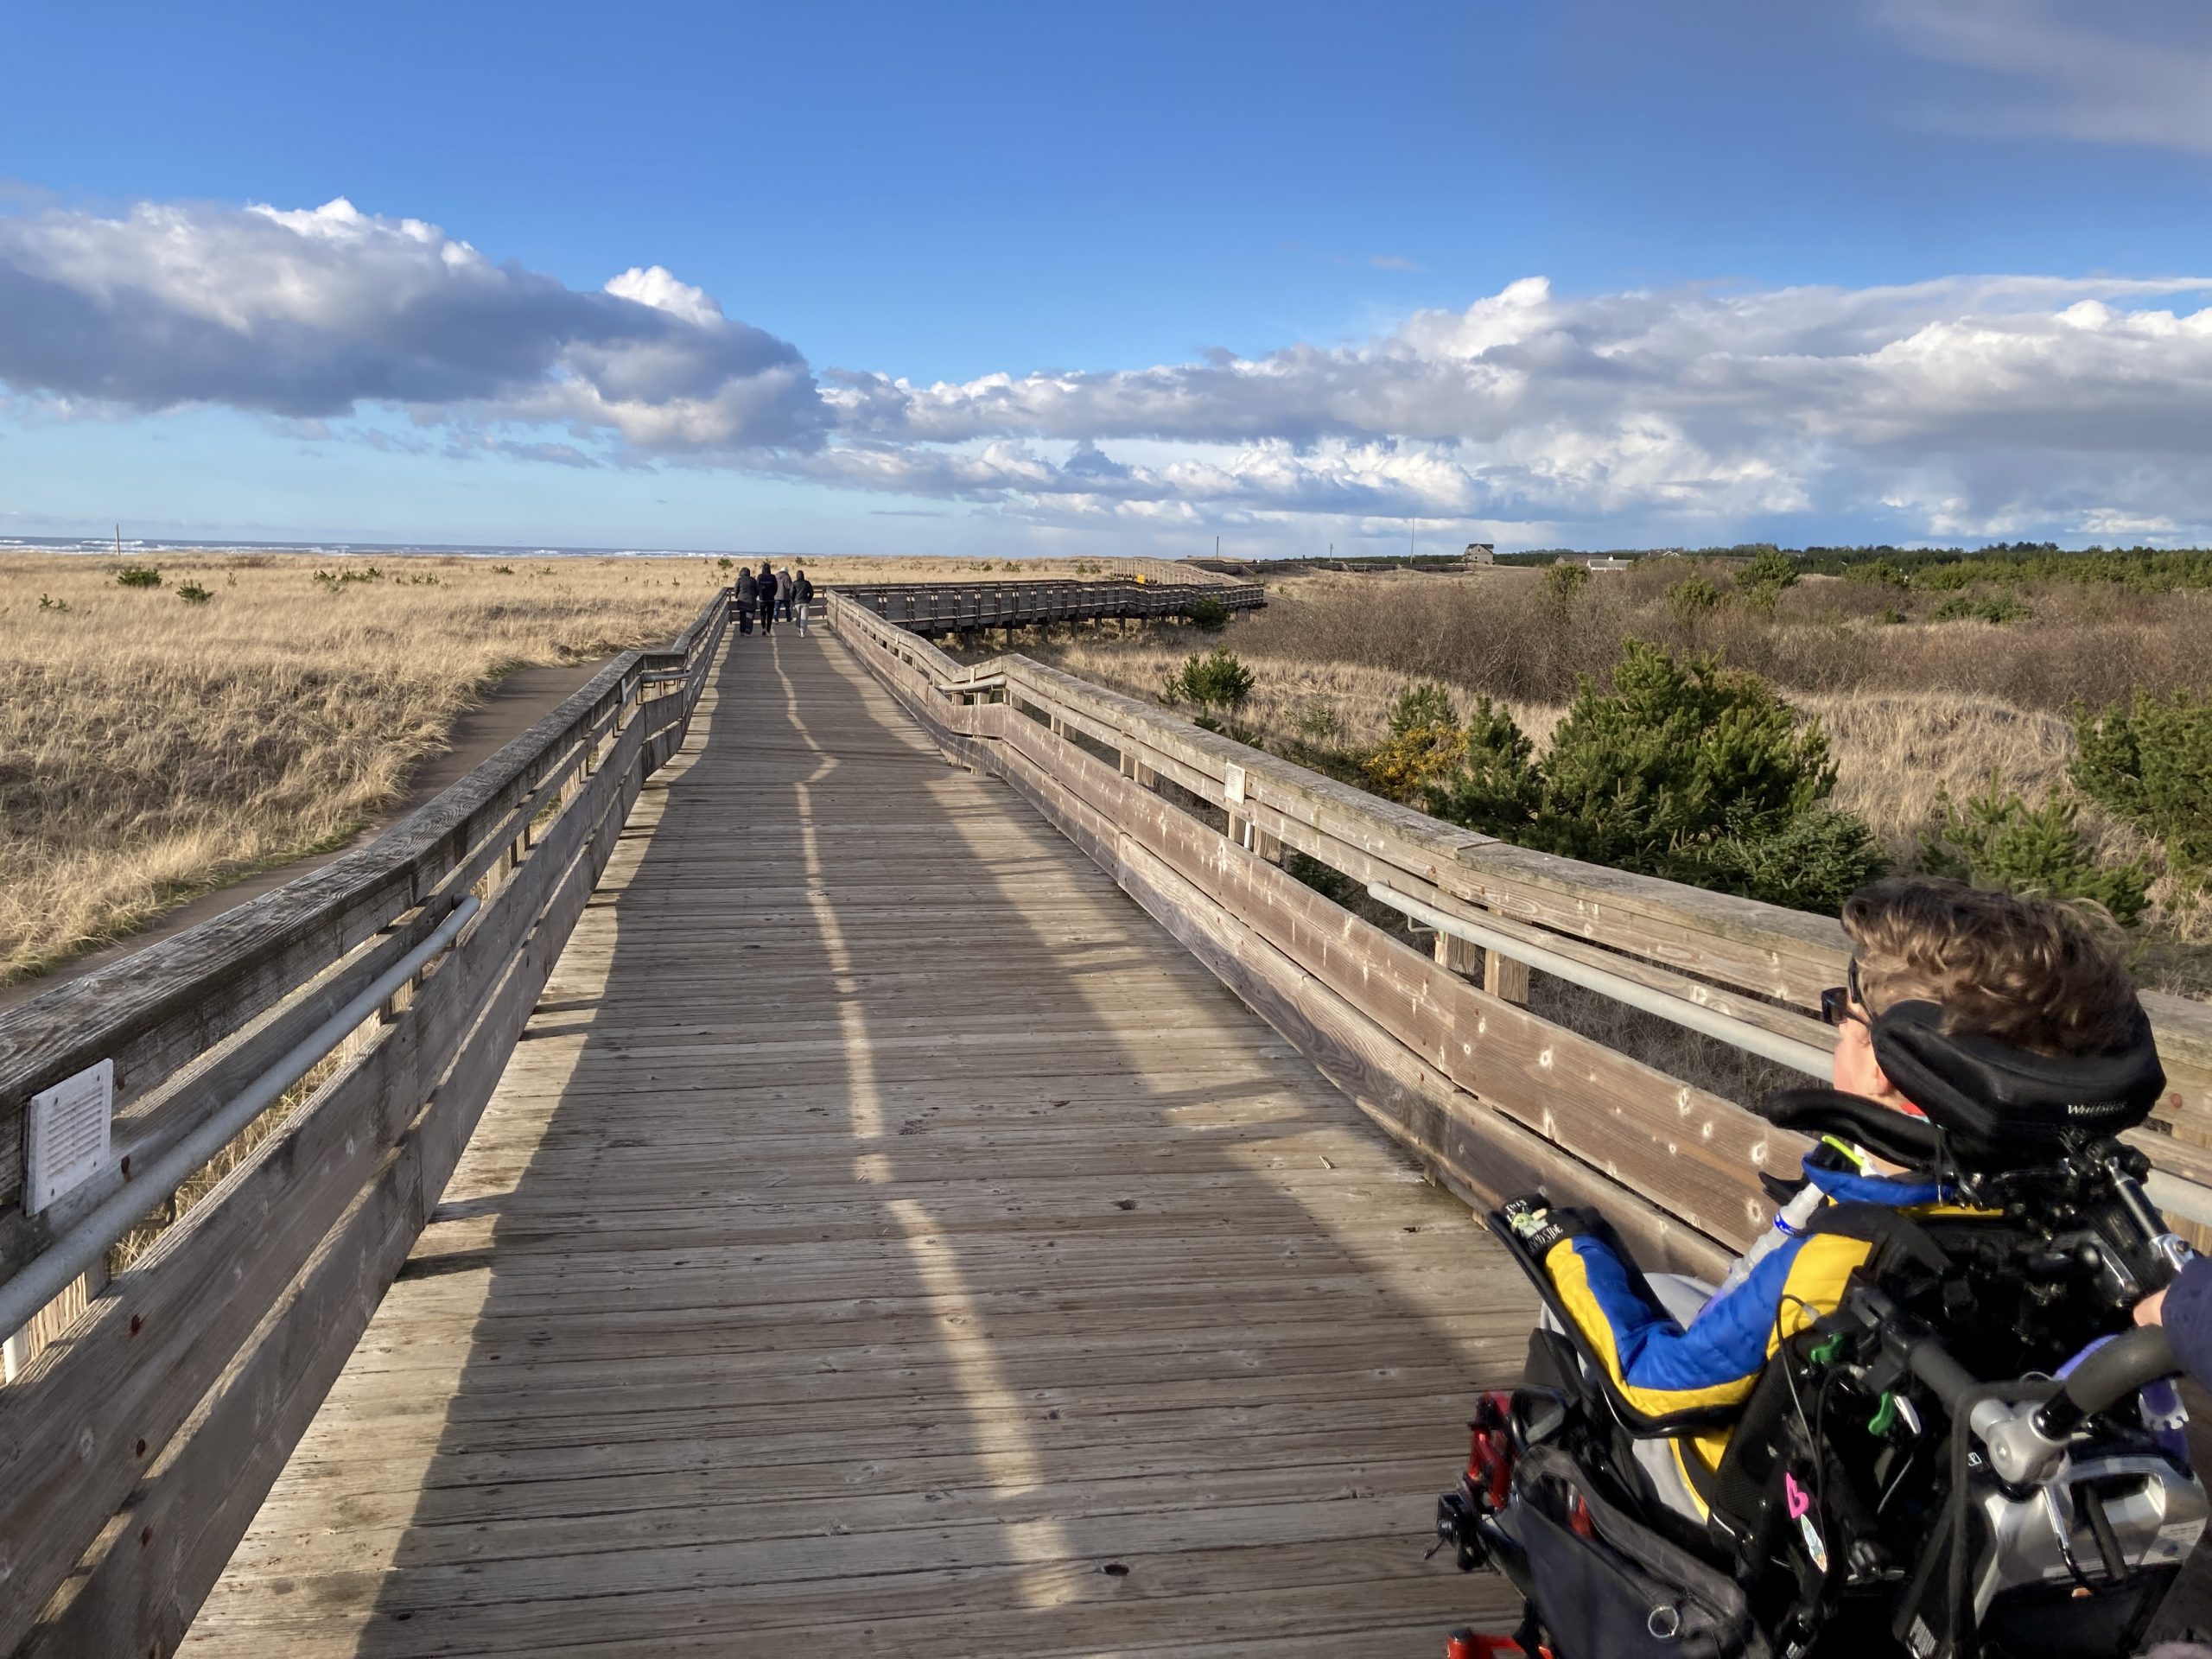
<point x="881" y="1228"/>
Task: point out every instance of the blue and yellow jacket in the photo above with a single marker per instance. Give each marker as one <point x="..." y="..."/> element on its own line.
<point x="1662" y="1367"/>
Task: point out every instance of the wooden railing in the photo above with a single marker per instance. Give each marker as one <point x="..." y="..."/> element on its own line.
<point x="962" y="607"/>
<point x="148" y="1415"/>
<point x="1493" y="1097"/>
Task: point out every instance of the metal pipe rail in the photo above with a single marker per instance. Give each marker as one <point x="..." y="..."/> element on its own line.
<point x="1811" y="1058"/>
<point x="47" y="1274"/>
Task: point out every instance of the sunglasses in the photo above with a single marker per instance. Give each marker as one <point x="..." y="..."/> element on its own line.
<point x="1844" y="1002"/>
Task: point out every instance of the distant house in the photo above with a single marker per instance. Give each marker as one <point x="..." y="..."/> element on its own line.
<point x="1596" y="562"/>
<point x="1479" y="553"/>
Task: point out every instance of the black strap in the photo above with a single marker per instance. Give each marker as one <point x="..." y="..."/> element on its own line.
<point x="1896" y="1235"/>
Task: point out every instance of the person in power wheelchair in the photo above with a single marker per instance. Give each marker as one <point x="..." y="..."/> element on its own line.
<point x="1963" y="1182"/>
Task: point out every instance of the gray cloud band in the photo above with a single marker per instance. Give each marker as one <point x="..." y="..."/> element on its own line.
<point x="1962" y="407"/>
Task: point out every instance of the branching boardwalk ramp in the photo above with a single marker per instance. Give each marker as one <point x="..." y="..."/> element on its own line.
<point x="885" y="1238"/>
<point x="820" y="1148"/>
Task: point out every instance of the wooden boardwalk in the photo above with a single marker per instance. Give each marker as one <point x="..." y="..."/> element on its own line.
<point x="886" y="1239"/>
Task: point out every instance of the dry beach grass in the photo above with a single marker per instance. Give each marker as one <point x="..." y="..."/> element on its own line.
<point x="149" y="746"/>
<point x="152" y="747"/>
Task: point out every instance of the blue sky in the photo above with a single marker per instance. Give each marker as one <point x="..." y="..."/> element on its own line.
<point x="1037" y="278"/>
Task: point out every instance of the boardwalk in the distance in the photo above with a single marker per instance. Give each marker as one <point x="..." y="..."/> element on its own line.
<point x="887" y="1240"/>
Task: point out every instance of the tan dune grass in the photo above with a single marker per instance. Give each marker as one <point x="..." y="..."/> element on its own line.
<point x="150" y="748"/>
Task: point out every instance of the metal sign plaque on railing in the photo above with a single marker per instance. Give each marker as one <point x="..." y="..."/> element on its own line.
<point x="66" y="1135"/>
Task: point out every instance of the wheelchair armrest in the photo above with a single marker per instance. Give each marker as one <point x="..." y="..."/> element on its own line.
<point x="1639" y="1423"/>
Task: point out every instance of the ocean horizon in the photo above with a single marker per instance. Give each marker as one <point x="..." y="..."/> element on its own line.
<point x="128" y="544"/>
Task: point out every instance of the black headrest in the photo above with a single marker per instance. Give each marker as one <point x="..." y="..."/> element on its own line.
<point x="1911" y="1141"/>
<point x="2000" y="1106"/>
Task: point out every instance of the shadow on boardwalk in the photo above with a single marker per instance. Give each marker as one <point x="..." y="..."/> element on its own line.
<point x="886" y="1239"/>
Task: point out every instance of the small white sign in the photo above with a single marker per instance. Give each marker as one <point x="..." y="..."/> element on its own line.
<point x="1232" y="785"/>
<point x="69" y="1133"/>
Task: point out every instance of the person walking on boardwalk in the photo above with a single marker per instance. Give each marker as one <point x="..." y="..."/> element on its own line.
<point x="786" y="590"/>
<point x="748" y="594"/>
<point x="766" y="582"/>
<point x="802" y="596"/>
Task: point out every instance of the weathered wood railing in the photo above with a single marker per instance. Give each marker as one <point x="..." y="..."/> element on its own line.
<point x="966" y="607"/>
<point x="136" y="1446"/>
<point x="1492" y="1096"/>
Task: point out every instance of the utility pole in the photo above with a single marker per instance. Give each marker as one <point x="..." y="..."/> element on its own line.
<point x="1410" y="523"/>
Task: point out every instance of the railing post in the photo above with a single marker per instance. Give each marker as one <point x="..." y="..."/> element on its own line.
<point x="1459" y="955"/>
<point x="1504" y="977"/>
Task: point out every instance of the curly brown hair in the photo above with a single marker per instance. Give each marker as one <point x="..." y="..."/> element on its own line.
<point x="2032" y="972"/>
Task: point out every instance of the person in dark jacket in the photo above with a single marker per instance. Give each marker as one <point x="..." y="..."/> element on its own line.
<point x="2184" y="1307"/>
<point x="748" y="595"/>
<point x="766" y="583"/>
<point x="802" y="596"/>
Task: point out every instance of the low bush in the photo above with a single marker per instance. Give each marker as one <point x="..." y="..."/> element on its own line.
<point x="1761" y="581"/>
<point x="1691" y="597"/>
<point x="1683" y="769"/>
<point x="1407" y="764"/>
<point x="193" y="594"/>
<point x="2149" y="763"/>
<point x="1317" y="723"/>
<point x="1997" y="840"/>
<point x="138" y="575"/>
<point x="1208" y="613"/>
<point x="1987" y="608"/>
<point x="1425" y="703"/>
<point x="1214" y="681"/>
<point x="1498" y="785"/>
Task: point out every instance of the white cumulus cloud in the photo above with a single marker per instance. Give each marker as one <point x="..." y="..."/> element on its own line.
<point x="316" y="312"/>
<point x="1972" y="405"/>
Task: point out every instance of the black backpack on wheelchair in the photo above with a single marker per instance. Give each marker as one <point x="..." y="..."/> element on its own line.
<point x="1916" y="1473"/>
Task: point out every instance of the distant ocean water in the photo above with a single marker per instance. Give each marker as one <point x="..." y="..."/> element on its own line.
<point x="331" y="549"/>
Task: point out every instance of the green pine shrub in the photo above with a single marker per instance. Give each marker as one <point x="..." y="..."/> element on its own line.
<point x="193" y="594"/>
<point x="1215" y="681"/>
<point x="1761" y="581"/>
<point x="1999" y="841"/>
<point x="1423" y="703"/>
<point x="1208" y="613"/>
<point x="1683" y="770"/>
<point x="138" y="575"/>
<point x="2149" y="763"/>
<point x="1813" y="862"/>
<point x="1990" y="607"/>
<point x="1498" y="787"/>
<point x="1877" y="573"/>
<point x="1317" y="722"/>
<point x="1679" y="751"/>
